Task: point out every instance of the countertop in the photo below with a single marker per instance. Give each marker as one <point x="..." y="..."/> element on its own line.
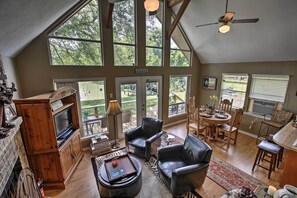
<point x="286" y="137"/>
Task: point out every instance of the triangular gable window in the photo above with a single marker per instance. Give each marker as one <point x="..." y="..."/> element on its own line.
<point x="180" y="52"/>
<point x="78" y="40"/>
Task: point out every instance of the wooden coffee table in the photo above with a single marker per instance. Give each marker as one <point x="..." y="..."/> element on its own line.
<point x="113" y="184"/>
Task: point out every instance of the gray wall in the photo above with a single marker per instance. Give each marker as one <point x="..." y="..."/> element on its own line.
<point x="9" y="68"/>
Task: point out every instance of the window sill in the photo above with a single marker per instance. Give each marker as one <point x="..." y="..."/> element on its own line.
<point x="258" y="115"/>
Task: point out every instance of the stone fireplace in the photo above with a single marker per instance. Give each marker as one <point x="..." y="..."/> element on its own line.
<point x="11" y="149"/>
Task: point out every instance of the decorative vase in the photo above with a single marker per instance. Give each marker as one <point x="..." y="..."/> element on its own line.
<point x="288" y="191"/>
<point x="210" y="111"/>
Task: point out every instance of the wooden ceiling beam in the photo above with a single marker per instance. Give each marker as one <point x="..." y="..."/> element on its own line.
<point x="109" y="15"/>
<point x="178" y="16"/>
<point x="172" y="3"/>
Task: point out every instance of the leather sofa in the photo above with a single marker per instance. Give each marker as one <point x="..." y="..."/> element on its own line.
<point x="183" y="167"/>
<point x="144" y="140"/>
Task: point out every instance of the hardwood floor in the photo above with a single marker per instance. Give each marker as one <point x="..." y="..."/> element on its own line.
<point x="241" y="155"/>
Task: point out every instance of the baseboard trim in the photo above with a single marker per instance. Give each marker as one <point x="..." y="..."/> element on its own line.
<point x="174" y="123"/>
<point x="247" y="133"/>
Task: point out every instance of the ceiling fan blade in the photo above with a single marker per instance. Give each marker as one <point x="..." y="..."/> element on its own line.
<point x="254" y="20"/>
<point x="207" y="24"/>
<point x="228" y="16"/>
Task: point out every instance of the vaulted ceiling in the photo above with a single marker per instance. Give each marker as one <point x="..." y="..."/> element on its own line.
<point x="273" y="38"/>
<point x="23" y="20"/>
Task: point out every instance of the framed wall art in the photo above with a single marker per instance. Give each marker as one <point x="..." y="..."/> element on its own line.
<point x="209" y="82"/>
<point x="10" y="113"/>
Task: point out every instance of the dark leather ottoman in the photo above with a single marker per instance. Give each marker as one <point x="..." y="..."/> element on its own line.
<point x="126" y="187"/>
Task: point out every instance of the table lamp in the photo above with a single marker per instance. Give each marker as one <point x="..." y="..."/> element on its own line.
<point x="114" y="109"/>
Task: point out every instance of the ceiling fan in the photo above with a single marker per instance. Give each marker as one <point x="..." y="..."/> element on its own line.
<point x="228" y="18"/>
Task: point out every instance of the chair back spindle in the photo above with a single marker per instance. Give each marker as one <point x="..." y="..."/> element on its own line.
<point x="226" y="105"/>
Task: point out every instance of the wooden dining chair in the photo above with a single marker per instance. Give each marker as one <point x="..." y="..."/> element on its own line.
<point x="193" y="121"/>
<point x="190" y="112"/>
<point x="229" y="130"/>
<point x="226" y="105"/>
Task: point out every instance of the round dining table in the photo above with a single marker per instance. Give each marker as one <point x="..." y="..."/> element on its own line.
<point x="214" y="120"/>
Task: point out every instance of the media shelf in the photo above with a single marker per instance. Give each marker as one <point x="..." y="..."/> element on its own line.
<point x="62" y="108"/>
<point x="50" y="159"/>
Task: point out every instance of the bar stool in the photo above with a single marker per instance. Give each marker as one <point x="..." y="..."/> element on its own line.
<point x="265" y="148"/>
<point x="269" y="138"/>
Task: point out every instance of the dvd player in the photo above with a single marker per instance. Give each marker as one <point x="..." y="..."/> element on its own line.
<point x="64" y="137"/>
<point x="66" y="134"/>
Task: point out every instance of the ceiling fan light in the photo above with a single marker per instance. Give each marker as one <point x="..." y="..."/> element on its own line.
<point x="224" y="28"/>
<point x="151" y="5"/>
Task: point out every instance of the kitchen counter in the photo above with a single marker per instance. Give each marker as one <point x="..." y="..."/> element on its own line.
<point x="287" y="137"/>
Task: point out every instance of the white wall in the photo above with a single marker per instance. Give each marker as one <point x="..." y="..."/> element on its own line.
<point x="9" y="68"/>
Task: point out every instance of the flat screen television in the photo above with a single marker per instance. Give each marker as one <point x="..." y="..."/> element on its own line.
<point x="63" y="122"/>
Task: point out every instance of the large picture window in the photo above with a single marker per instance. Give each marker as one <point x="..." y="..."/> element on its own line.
<point x="267" y="91"/>
<point x="78" y="40"/>
<point x="123" y="21"/>
<point x="154" y="42"/>
<point x="178" y="94"/>
<point x="269" y="87"/>
<point x="234" y="87"/>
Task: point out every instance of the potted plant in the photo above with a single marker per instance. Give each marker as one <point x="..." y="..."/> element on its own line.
<point x="211" y="105"/>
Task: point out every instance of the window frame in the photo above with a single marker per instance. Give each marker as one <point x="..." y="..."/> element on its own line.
<point x="126" y="44"/>
<point x="182" y="50"/>
<point x="75" y="9"/>
<point x="246" y="90"/>
<point x="163" y="35"/>
<point x="76" y="81"/>
<point x="189" y="79"/>
<point x="255" y="76"/>
<point x="278" y="104"/>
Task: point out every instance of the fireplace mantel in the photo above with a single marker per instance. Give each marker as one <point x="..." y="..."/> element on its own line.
<point x="11" y="148"/>
<point x="5" y="141"/>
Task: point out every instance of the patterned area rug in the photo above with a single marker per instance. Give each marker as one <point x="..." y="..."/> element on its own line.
<point x="230" y="177"/>
<point x="224" y="174"/>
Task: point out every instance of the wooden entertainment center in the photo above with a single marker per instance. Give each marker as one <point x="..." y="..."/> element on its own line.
<point x="52" y="161"/>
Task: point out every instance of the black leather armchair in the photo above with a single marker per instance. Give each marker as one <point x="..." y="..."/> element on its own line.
<point x="184" y="167"/>
<point x="144" y="140"/>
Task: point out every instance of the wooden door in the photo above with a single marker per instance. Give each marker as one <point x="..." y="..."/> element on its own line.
<point x="66" y="158"/>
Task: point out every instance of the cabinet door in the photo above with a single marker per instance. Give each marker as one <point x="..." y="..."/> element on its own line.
<point x="76" y="147"/>
<point x="38" y="128"/>
<point x="66" y="158"/>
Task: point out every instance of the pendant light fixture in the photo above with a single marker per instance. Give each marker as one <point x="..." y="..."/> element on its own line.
<point x="151" y="5"/>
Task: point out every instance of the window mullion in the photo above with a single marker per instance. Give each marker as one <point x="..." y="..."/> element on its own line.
<point x="74" y="39"/>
